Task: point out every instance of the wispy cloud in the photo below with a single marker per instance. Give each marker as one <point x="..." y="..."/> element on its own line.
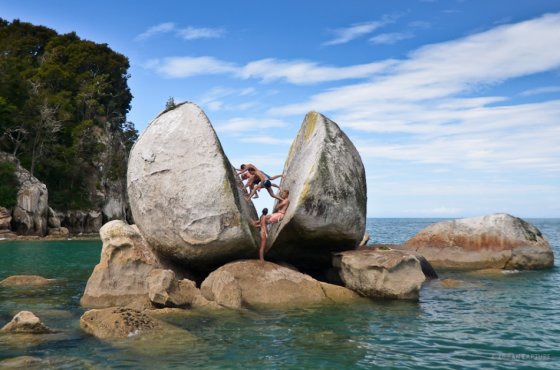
<point x="238" y="124"/>
<point x="267" y="70"/>
<point x="156" y="30"/>
<point x="181" y="67"/>
<point x="188" y="33"/>
<point x="391" y="38"/>
<point x="541" y="90"/>
<point x="192" y="33"/>
<point x="347" y="34"/>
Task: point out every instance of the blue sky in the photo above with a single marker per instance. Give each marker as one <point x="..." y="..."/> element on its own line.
<point x="454" y="106"/>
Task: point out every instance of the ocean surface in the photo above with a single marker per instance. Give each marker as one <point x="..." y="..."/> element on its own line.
<point x="490" y="320"/>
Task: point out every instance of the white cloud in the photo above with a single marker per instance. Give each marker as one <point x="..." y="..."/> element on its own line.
<point x="193" y="33"/>
<point x="237" y="125"/>
<point x="267" y="70"/>
<point x="156" y="30"/>
<point x="391" y="38"/>
<point x="189" y="33"/>
<point x="541" y="90"/>
<point x="344" y="35"/>
<point x="181" y="67"/>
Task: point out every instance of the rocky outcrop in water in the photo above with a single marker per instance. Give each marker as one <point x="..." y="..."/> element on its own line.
<point x="112" y="323"/>
<point x="253" y="283"/>
<point x="494" y="241"/>
<point x="184" y="194"/>
<point x="121" y="276"/>
<point x="381" y="273"/>
<point x="164" y="289"/>
<point x="327" y="213"/>
<point x="25" y="280"/>
<point x="25" y="322"/>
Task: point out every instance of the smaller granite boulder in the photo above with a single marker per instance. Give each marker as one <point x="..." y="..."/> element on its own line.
<point x="119" y="322"/>
<point x="121" y="276"/>
<point x="27" y="323"/>
<point x="381" y="273"/>
<point x="25" y="280"/>
<point x="252" y="283"/>
<point x="494" y="241"/>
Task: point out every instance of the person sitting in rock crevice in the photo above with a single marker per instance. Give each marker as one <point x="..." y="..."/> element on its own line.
<point x="280" y="210"/>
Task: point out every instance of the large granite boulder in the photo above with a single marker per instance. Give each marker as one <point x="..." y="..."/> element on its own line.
<point x="327" y="183"/>
<point x="121" y="276"/>
<point x="494" y="241"/>
<point x="252" y="283"/>
<point x="380" y="273"/>
<point x="29" y="216"/>
<point x="25" y="322"/>
<point x="184" y="195"/>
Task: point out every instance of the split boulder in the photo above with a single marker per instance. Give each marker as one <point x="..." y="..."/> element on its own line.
<point x="326" y="180"/>
<point x="184" y="194"/>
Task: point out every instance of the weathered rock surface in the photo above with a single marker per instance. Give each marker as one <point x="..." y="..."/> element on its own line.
<point x="26" y="322"/>
<point x="184" y="195"/>
<point x="29" y="216"/>
<point x="252" y="283"/>
<point x="25" y="280"/>
<point x="82" y="221"/>
<point x="381" y="273"/>
<point x="5" y="220"/>
<point x="118" y="322"/>
<point x="493" y="241"/>
<point x="327" y="213"/>
<point x="164" y="289"/>
<point x="121" y="276"/>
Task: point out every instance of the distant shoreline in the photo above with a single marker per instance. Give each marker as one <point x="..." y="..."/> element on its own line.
<point x="48" y="238"/>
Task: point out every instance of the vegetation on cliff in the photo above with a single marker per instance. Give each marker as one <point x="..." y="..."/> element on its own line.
<point x="63" y="106"/>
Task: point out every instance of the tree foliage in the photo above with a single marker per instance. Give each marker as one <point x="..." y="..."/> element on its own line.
<point x="63" y="106"/>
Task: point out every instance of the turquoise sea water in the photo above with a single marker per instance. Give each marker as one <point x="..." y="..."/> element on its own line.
<point x="489" y="321"/>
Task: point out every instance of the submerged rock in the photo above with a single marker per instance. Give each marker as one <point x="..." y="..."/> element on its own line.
<point x="327" y="183"/>
<point x="380" y="273"/>
<point x="253" y="283"/>
<point x="25" y="280"/>
<point x="121" y="276"/>
<point x="25" y="322"/>
<point x="493" y="241"/>
<point x="119" y="322"/>
<point x="184" y="195"/>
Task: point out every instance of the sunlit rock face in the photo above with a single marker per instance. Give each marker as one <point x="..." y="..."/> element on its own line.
<point x="327" y="183"/>
<point x="184" y="194"/>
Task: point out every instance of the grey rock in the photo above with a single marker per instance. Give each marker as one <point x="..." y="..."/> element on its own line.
<point x="378" y="273"/>
<point x="184" y="195"/>
<point x="327" y="183"/>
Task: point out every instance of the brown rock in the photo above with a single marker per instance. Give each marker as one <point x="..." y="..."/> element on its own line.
<point x="381" y="273"/>
<point x="25" y="280"/>
<point x="118" y="322"/>
<point x="494" y="241"/>
<point x="252" y="283"/>
<point x="121" y="276"/>
<point x="26" y="322"/>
